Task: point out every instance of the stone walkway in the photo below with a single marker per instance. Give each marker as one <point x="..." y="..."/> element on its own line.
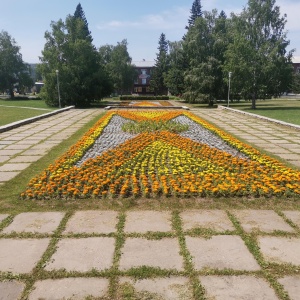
<point x="278" y="140"/>
<point x="22" y="146"/>
<point x="160" y="255"/>
<point x="90" y="251"/>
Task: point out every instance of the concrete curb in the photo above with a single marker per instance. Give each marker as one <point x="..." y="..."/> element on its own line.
<point x="34" y="119"/>
<point x="297" y="127"/>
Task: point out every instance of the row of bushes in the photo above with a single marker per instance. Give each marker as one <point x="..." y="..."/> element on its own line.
<point x="144" y="97"/>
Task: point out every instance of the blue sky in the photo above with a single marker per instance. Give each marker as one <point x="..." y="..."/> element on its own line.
<point x="111" y="21"/>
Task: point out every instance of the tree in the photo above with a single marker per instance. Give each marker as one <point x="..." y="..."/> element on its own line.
<point x="13" y="71"/>
<point x="119" y="67"/>
<point x="174" y="78"/>
<point x="79" y="14"/>
<point x="69" y="50"/>
<point x="205" y="45"/>
<point x="157" y="82"/>
<point x="257" y="57"/>
<point x="295" y="84"/>
<point x="196" y="12"/>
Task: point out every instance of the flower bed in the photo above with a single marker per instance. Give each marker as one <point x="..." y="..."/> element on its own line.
<point x="159" y="163"/>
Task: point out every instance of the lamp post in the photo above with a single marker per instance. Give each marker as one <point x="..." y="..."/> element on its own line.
<point x="58" y="91"/>
<point x="229" y="75"/>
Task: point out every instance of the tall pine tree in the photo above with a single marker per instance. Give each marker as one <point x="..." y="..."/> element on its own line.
<point x="157" y="82"/>
<point x="79" y="14"/>
<point x="196" y="12"/>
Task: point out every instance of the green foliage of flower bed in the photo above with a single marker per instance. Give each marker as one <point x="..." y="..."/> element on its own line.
<point x="144" y="98"/>
<point x="151" y="126"/>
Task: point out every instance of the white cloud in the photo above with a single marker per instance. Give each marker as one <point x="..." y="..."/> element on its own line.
<point x="172" y="19"/>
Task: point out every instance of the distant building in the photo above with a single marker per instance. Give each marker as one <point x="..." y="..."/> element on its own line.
<point x="296" y="64"/>
<point x="144" y="70"/>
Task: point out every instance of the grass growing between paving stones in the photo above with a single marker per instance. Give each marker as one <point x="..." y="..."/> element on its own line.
<point x="270" y="272"/>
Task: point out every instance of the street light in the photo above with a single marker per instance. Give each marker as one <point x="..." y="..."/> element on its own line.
<point x="229" y="75"/>
<point x="59" y="104"/>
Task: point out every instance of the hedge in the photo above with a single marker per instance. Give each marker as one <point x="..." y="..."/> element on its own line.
<point x="144" y="98"/>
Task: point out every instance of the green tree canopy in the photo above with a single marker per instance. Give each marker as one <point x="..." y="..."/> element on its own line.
<point x="118" y="64"/>
<point x="257" y="57"/>
<point x="69" y="50"/>
<point x="13" y="71"/>
<point x="157" y="82"/>
<point x="205" y="45"/>
<point x="196" y="12"/>
<point x="174" y="78"/>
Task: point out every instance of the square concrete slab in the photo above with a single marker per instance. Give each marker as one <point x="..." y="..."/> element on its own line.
<point x="221" y="252"/>
<point x="83" y="255"/>
<point x="237" y="288"/>
<point x="292" y="286"/>
<point x="11" y="290"/>
<point x="92" y="221"/>
<point x="21" y="256"/>
<point x="280" y="249"/>
<point x="14" y="167"/>
<point x="162" y="253"/>
<point x="6" y="176"/>
<point x="24" y="158"/>
<point x="172" y="288"/>
<point x="4" y="158"/>
<point x="294" y="216"/>
<point x="263" y="220"/>
<point x="144" y="221"/>
<point x="35" y="222"/>
<point x="210" y="219"/>
<point x="69" y="288"/>
<point x="3" y="216"/>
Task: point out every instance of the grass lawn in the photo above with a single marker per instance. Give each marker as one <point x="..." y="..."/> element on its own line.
<point x="280" y="109"/>
<point x="16" y="110"/>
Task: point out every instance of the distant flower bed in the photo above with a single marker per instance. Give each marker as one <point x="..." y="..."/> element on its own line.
<point x="162" y="163"/>
<point x="146" y="103"/>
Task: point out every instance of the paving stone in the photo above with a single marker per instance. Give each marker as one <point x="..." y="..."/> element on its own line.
<point x="14" y="167"/>
<point x="293" y="215"/>
<point x="172" y="288"/>
<point x="3" y="216"/>
<point x="221" y="252"/>
<point x="83" y="254"/>
<point x="35" y="152"/>
<point x="9" y="152"/>
<point x="280" y="249"/>
<point x="212" y="219"/>
<point x="6" y="176"/>
<point x="292" y="286"/>
<point x="69" y="288"/>
<point x="4" y="158"/>
<point x="24" y="158"/>
<point x="35" y="222"/>
<point x="144" y="221"/>
<point x="92" y="222"/>
<point x="11" y="290"/>
<point x="263" y="220"/>
<point x="237" y="288"/>
<point x="295" y="163"/>
<point x="17" y="147"/>
<point x="162" y="253"/>
<point x="21" y="256"/>
<point x="287" y="156"/>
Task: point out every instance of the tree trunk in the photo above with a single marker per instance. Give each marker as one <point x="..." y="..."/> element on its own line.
<point x="253" y="101"/>
<point x="12" y="95"/>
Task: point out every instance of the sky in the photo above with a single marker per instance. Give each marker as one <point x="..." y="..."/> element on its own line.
<point x="111" y="21"/>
